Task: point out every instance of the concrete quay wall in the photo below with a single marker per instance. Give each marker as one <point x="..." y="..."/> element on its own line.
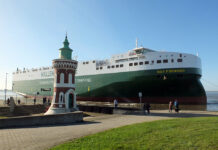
<point x="56" y="119"/>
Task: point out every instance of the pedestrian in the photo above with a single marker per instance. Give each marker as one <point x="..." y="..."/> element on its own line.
<point x="115" y="103"/>
<point x="144" y="108"/>
<point x="34" y="101"/>
<point x="170" y="106"/>
<point x="148" y="106"/>
<point x="18" y="101"/>
<point x="176" y="104"/>
<point x="49" y="103"/>
<point x="8" y="101"/>
<point x="44" y="100"/>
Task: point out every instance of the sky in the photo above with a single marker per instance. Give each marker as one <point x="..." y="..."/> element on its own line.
<point x="31" y="32"/>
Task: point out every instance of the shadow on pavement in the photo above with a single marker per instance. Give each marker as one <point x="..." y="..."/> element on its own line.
<point x="54" y="125"/>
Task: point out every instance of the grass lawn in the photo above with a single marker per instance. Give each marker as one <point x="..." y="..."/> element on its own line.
<point x="185" y="133"/>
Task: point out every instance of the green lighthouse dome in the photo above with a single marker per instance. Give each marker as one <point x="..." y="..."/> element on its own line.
<point x="66" y="51"/>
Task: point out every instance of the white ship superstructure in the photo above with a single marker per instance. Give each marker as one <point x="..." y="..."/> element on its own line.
<point x="134" y="60"/>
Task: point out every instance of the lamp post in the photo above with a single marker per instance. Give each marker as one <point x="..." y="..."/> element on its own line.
<point x="140" y="99"/>
<point x="6" y="87"/>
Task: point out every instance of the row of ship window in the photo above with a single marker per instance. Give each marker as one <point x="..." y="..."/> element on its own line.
<point x="152" y="62"/>
<point x="140" y="63"/>
<point x="88" y="62"/>
<point x="113" y="66"/>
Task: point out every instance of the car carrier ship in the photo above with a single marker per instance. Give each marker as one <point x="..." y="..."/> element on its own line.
<point x="158" y="76"/>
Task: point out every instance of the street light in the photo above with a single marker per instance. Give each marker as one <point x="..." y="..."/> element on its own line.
<point x="140" y="98"/>
<point x="6" y="86"/>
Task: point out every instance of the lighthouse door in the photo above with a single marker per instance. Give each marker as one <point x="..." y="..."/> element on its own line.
<point x="70" y="100"/>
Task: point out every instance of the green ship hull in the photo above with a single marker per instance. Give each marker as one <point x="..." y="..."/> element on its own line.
<point x="156" y="86"/>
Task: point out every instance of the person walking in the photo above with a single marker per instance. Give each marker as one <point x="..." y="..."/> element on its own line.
<point x="170" y="106"/>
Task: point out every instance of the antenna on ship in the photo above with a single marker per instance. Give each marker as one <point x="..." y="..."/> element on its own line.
<point x="136" y="42"/>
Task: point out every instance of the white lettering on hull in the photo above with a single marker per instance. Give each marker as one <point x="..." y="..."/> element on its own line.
<point x="84" y="80"/>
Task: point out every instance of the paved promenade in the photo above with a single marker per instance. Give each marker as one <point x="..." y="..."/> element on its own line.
<point x="40" y="138"/>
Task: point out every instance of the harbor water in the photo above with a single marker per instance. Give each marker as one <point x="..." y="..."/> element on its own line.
<point x="8" y="95"/>
<point x="212" y="98"/>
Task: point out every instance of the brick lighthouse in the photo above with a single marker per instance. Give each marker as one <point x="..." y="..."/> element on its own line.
<point x="64" y="96"/>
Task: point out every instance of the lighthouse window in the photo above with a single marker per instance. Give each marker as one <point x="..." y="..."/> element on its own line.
<point x="180" y="55"/>
<point x="93" y="61"/>
<point x="84" y="63"/>
<point x="146" y="62"/>
<point x="135" y="64"/>
<point x="172" y="60"/>
<point x="130" y="64"/>
<point x="121" y="65"/>
<point x="158" y="61"/>
<point x="87" y="62"/>
<point x="108" y="67"/>
<point x="112" y="66"/>
<point x="97" y="68"/>
<point x="117" y="66"/>
<point x="179" y="60"/>
<point x="70" y="78"/>
<point x="140" y="63"/>
<point x="165" y="61"/>
<point x="100" y="67"/>
<point x="62" y="78"/>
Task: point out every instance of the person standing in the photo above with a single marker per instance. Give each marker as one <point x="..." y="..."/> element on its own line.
<point x="8" y="101"/>
<point x="34" y="101"/>
<point x="170" y="106"/>
<point x="115" y="103"/>
<point x="44" y="100"/>
<point x="176" y="104"/>
<point x="148" y="106"/>
<point x="49" y="103"/>
<point x="144" y="108"/>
